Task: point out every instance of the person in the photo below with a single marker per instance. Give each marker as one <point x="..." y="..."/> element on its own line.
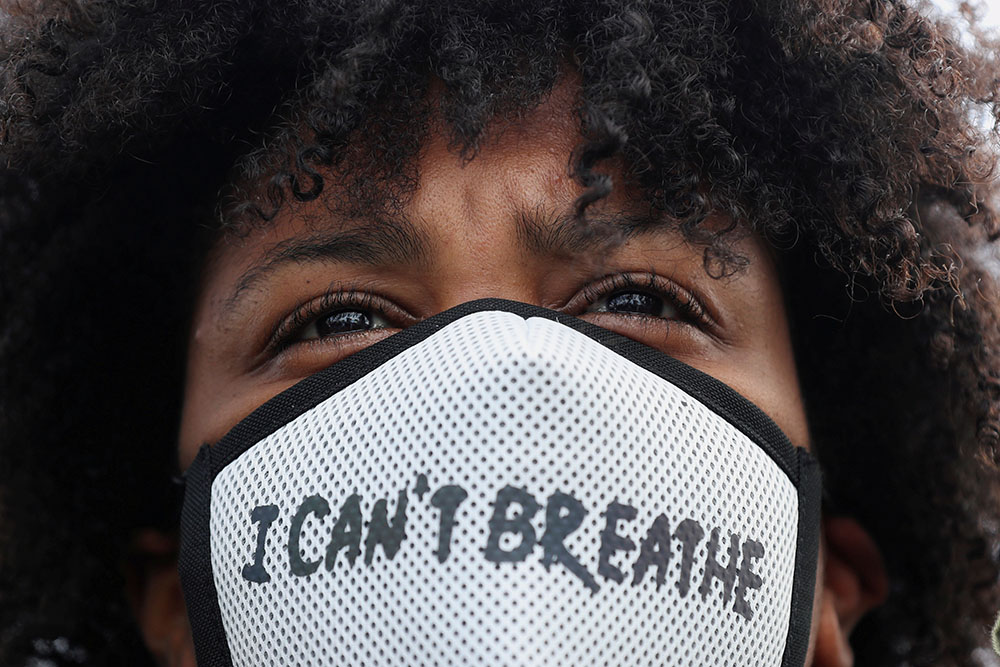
<point x="203" y="203"/>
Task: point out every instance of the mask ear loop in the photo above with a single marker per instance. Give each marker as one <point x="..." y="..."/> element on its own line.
<point x="810" y="497"/>
<point x="194" y="559"/>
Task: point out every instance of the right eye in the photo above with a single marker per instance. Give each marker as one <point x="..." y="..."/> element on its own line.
<point x="635" y="302"/>
<point x="347" y="320"/>
<point x="342" y="315"/>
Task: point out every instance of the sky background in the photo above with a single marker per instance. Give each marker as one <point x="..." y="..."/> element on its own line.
<point x="990" y="9"/>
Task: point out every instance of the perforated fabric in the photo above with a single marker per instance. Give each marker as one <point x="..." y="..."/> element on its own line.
<point x="495" y="401"/>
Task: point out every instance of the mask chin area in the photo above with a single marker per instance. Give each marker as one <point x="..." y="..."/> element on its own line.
<point x="505" y="485"/>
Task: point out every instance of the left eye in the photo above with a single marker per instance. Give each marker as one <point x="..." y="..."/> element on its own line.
<point x="634" y="302"/>
<point x="343" y="321"/>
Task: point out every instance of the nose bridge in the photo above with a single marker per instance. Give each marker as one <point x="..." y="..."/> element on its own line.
<point x="479" y="252"/>
<point x="474" y="208"/>
<point x="485" y="260"/>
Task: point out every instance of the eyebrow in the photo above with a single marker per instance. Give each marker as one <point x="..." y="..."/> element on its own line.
<point x="398" y="240"/>
<point x="567" y="234"/>
<point x="379" y="242"/>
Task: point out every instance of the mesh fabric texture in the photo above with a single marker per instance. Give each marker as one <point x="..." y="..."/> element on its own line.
<point x="490" y="401"/>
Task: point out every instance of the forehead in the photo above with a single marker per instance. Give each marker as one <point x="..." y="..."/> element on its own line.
<point x="518" y="185"/>
<point x="392" y="151"/>
<point x="503" y="224"/>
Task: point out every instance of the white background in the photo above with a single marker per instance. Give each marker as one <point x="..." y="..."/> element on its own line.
<point x="989" y="9"/>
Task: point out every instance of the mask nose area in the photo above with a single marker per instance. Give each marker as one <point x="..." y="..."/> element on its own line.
<point x="498" y="349"/>
<point x="517" y="382"/>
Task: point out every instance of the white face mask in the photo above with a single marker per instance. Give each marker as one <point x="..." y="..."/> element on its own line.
<point x="502" y="485"/>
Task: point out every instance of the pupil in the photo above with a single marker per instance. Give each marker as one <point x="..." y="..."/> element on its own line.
<point x="635" y="302"/>
<point x="343" y="322"/>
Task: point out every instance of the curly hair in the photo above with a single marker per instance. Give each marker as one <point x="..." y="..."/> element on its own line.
<point x="856" y="136"/>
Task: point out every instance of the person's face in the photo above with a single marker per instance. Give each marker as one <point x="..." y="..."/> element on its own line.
<point x="292" y="298"/>
<point x="312" y="287"/>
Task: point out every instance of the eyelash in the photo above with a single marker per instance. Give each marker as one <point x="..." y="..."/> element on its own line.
<point x="690" y="309"/>
<point x="289" y="329"/>
<point x="286" y="333"/>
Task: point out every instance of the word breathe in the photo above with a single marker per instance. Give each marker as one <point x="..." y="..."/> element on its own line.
<point x="563" y="514"/>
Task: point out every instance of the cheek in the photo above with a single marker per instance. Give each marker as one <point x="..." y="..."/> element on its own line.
<point x="216" y="399"/>
<point x="209" y="414"/>
<point x="770" y="381"/>
<point x="766" y="373"/>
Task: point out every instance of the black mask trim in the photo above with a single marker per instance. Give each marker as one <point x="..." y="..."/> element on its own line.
<point x="201" y="596"/>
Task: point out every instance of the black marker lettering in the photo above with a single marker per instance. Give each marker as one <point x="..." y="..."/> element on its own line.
<point x="380" y="531"/>
<point x="447" y="499"/>
<point x="312" y="505"/>
<point x="346" y="532"/>
<point x="727" y="575"/>
<point x="421" y="487"/>
<point x="747" y="579"/>
<point x="557" y="526"/>
<point x="654" y="549"/>
<point x="521" y="524"/>
<point x="689" y="532"/>
<point x="611" y="541"/>
<point x="264" y="515"/>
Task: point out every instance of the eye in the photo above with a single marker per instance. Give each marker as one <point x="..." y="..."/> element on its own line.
<point x="645" y="306"/>
<point x="643" y="295"/>
<point x="340" y="315"/>
<point x="343" y="321"/>
<point x="635" y="302"/>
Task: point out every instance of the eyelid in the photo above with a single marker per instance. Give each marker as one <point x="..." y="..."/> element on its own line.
<point x="691" y="309"/>
<point x="286" y="333"/>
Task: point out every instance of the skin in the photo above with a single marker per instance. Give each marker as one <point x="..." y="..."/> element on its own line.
<point x="467" y="218"/>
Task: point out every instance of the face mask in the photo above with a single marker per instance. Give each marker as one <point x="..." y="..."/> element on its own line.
<point x="504" y="485"/>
